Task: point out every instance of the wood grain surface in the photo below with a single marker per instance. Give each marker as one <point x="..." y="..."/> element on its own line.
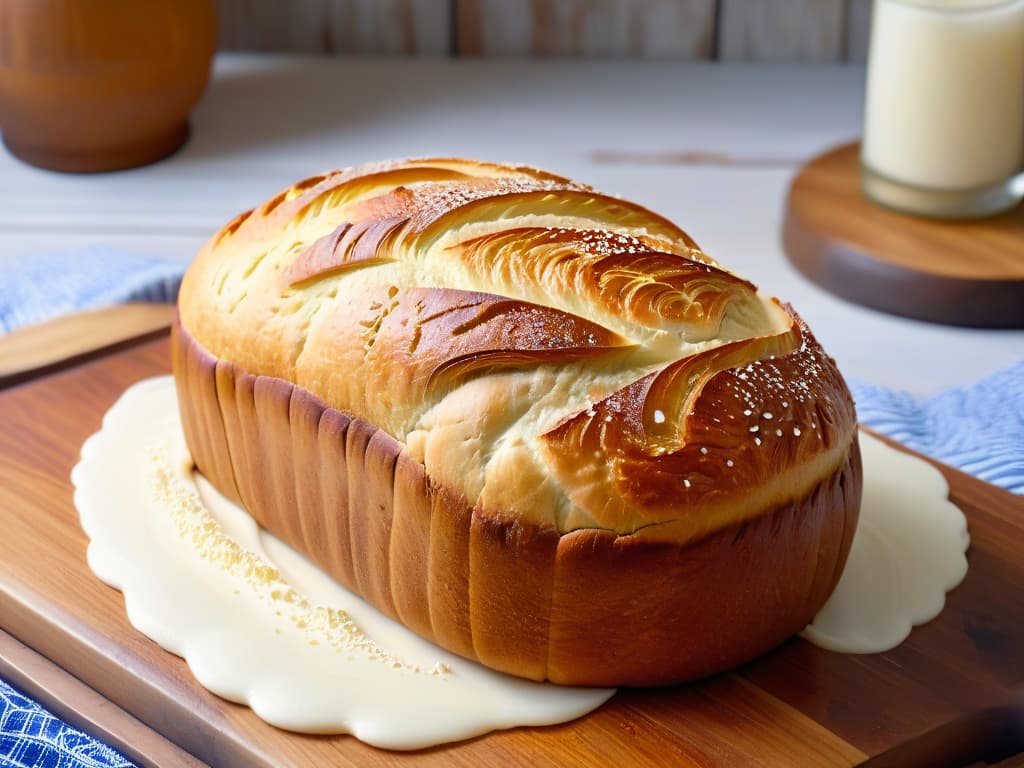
<point x="30" y="351"/>
<point x="955" y="272"/>
<point x="683" y="29"/>
<point x="781" y="30"/>
<point x="799" y="705"/>
<point x="766" y="30"/>
<point x="858" y="30"/>
<point x="80" y="706"/>
<point x="379" y="27"/>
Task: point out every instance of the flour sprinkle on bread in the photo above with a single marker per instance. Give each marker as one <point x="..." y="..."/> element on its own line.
<point x="534" y="423"/>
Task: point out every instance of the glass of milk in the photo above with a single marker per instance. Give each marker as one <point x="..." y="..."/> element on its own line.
<point x="944" y="116"/>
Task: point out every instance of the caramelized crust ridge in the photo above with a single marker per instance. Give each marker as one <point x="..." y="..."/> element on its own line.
<point x="512" y="393"/>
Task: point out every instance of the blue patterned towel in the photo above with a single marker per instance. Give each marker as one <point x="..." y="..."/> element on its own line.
<point x="31" y="737"/>
<point x="978" y="428"/>
<point x="49" y="285"/>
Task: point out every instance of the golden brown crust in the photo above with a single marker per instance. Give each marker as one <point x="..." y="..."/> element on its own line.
<point x="480" y="395"/>
<point x="589" y="607"/>
<point x="759" y="425"/>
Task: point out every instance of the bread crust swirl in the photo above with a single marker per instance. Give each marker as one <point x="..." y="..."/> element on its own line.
<point x="600" y="426"/>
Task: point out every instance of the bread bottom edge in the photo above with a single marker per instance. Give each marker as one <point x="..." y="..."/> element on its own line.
<point x="584" y="608"/>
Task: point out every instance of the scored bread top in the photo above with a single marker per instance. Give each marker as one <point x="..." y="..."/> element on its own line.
<point x="558" y="356"/>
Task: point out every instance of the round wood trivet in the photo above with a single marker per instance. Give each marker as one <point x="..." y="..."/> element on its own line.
<point x="953" y="272"/>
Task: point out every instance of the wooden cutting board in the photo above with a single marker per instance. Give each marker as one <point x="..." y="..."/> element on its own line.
<point x="799" y="705"/>
<point x="955" y="272"/>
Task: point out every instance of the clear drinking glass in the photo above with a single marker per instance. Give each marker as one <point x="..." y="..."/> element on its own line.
<point x="944" y="114"/>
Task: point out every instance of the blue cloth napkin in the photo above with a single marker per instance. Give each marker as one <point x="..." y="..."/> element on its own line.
<point x="31" y="737"/>
<point x="49" y="285"/>
<point x="978" y="428"/>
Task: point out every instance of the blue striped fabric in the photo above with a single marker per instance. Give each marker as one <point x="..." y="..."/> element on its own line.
<point x="978" y="428"/>
<point x="31" y="737"/>
<point x="49" y="285"/>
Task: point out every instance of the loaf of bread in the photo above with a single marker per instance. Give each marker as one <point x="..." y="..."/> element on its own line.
<point x="533" y="423"/>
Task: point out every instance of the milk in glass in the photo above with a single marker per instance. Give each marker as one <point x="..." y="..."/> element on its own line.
<point x="944" y="117"/>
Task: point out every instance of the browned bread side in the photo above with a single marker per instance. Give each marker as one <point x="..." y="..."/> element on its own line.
<point x="533" y="423"/>
<point x="588" y="607"/>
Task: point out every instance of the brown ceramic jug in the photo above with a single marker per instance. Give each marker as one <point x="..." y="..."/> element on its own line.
<point x="97" y="85"/>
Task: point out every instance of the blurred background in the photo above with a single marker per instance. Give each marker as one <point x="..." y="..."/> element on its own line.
<point x="702" y="110"/>
<point x="723" y="30"/>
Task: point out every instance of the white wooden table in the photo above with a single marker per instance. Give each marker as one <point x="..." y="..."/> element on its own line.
<point x="267" y="121"/>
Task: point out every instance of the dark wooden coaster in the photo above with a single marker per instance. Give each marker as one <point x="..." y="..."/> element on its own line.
<point x="967" y="272"/>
